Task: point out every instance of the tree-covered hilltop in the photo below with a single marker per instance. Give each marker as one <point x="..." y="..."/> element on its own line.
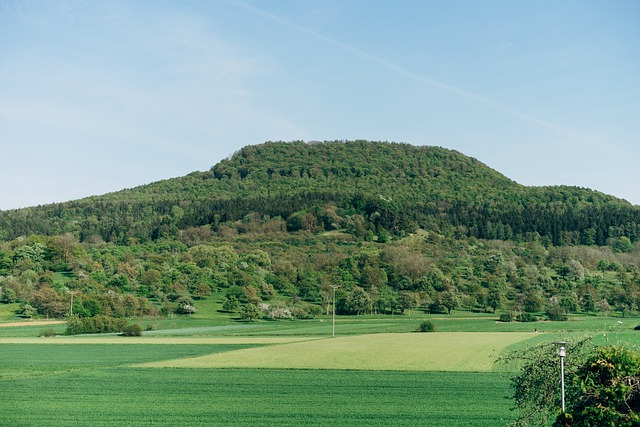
<point x="394" y="187"/>
<point x="270" y="231"/>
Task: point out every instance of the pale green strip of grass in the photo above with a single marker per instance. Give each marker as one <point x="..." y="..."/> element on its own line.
<point x="447" y="351"/>
<point x="111" y="339"/>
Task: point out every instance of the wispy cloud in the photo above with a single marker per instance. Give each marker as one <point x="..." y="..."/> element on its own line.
<point x="417" y="77"/>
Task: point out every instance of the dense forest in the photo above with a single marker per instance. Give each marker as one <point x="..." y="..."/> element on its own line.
<point x="272" y="229"/>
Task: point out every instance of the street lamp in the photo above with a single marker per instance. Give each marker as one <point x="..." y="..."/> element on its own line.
<point x="71" y="304"/>
<point x="333" y="321"/>
<point x="562" y="352"/>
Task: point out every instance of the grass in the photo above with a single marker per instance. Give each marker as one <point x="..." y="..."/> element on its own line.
<point x="113" y="339"/>
<point x="455" y="351"/>
<point x="61" y="278"/>
<point x="29" y="360"/>
<point x="30" y="330"/>
<point x="198" y="397"/>
<point x="371" y="324"/>
<point x="377" y="371"/>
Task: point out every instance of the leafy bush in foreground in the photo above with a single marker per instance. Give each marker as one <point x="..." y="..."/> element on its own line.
<point x="610" y="385"/>
<point x="602" y="386"/>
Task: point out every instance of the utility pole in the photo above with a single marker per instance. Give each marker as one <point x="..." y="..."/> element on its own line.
<point x="71" y="305"/>
<point x="333" y="321"/>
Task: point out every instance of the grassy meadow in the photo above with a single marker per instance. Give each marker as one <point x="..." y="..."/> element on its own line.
<point x="240" y="397"/>
<point x="216" y="371"/>
<point x="447" y="351"/>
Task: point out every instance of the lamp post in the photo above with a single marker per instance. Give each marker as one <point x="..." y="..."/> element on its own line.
<point x="562" y="352"/>
<point x="333" y="320"/>
<point x="71" y="304"/>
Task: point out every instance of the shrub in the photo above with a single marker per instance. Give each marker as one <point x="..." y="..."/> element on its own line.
<point x="151" y="326"/>
<point x="557" y="313"/>
<point x="26" y="310"/>
<point x="250" y="312"/>
<point x="186" y="305"/>
<point x="436" y="307"/>
<point x="426" y="326"/>
<point x="314" y="310"/>
<point x="133" y="330"/>
<point x="610" y="394"/>
<point x="8" y="296"/>
<point x="94" y="325"/>
<point x="564" y="419"/>
<point x="527" y="317"/>
<point x="276" y="311"/>
<point x="301" y="313"/>
<point x="47" y="333"/>
<point x="506" y="317"/>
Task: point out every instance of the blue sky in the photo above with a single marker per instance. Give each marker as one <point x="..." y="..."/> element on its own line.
<point x="100" y="95"/>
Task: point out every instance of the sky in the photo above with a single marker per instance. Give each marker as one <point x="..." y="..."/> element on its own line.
<point x="101" y="95"/>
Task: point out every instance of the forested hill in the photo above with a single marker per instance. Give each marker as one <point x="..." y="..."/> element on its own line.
<point x="361" y="185"/>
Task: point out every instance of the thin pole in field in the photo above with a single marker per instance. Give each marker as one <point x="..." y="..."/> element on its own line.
<point x="71" y="304"/>
<point x="333" y="321"/>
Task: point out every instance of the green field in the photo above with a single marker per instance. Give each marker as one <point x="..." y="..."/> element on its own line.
<point x="198" y="371"/>
<point x="447" y="351"/>
<point x="198" y="397"/>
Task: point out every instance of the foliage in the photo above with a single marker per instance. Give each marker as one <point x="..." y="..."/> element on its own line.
<point x="276" y="311"/>
<point x="8" y="296"/>
<point x="506" y="317"/>
<point x="609" y="382"/>
<point x="556" y="313"/>
<point x="368" y="186"/>
<point x="185" y="305"/>
<point x="527" y="317"/>
<point x="95" y="325"/>
<point x="426" y="326"/>
<point x="230" y="304"/>
<point x="26" y="310"/>
<point x="132" y="330"/>
<point x="449" y="300"/>
<point x="623" y="244"/>
<point x="249" y="312"/>
<point x="283" y="223"/>
<point x="536" y="391"/>
<point x="47" y="333"/>
<point x="602" y="385"/>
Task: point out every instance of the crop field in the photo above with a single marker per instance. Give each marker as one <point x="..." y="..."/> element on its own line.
<point x="28" y="360"/>
<point x="447" y="351"/>
<point x="195" y="372"/>
<point x="194" y="397"/>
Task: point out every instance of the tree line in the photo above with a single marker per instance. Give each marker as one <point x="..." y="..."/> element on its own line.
<point x="395" y="187"/>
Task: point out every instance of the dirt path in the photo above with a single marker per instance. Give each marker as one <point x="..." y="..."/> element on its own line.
<point x="31" y="323"/>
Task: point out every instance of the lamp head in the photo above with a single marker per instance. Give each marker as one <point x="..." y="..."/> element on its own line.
<point x="562" y="352"/>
